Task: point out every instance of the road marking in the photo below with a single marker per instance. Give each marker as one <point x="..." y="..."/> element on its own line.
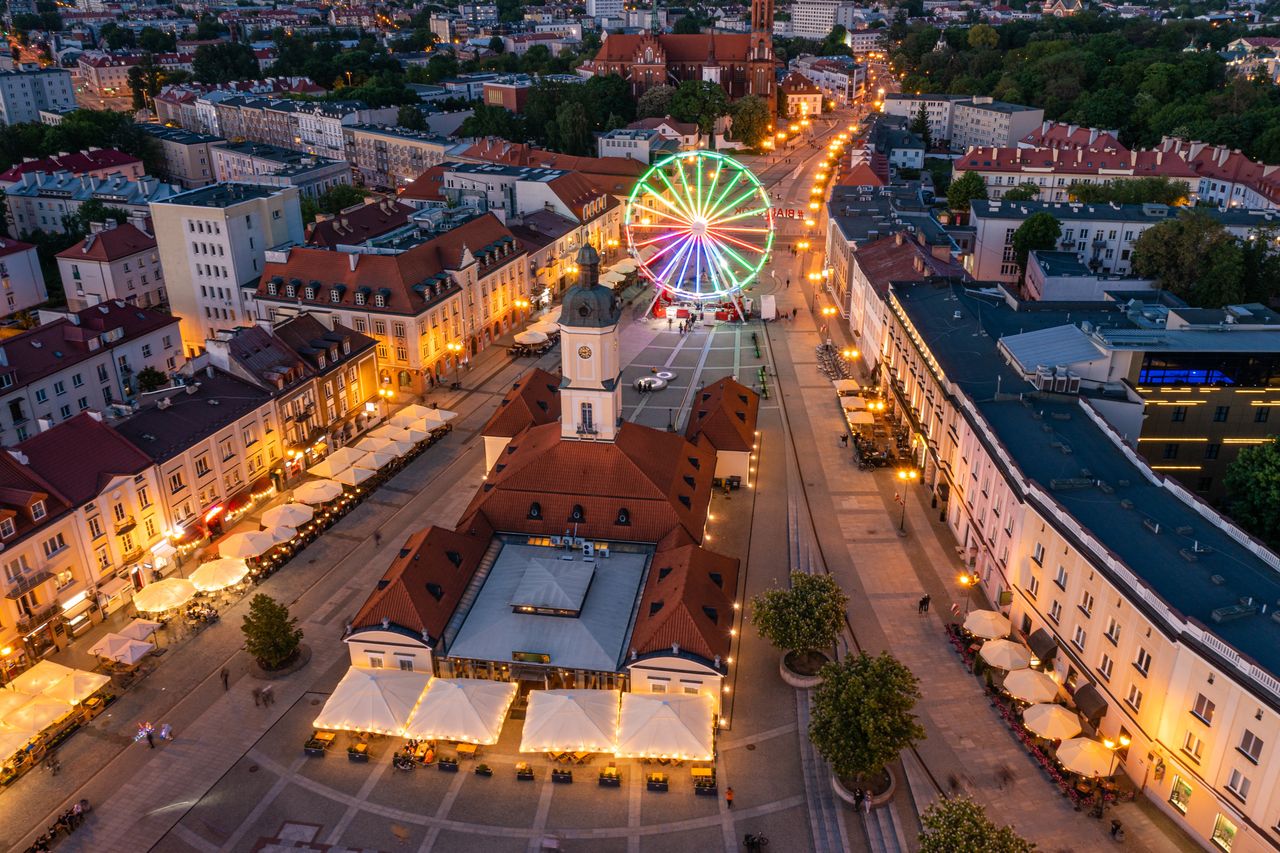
<point x="363" y="795"/>
<point x="265" y="803"/>
<point x="442" y="812"/>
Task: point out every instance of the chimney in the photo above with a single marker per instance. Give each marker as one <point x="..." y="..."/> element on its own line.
<point x="353" y="259"/>
<point x="96" y="415"/>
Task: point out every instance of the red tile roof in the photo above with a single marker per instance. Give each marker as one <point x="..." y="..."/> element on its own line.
<point x="353" y="227"/>
<point x="577" y="191"/>
<point x="678" y="48"/>
<point x="688" y="600"/>
<point x="1056" y="134"/>
<point x="77" y="163"/>
<point x="1075" y="162"/>
<point x="681" y="127"/>
<point x="725" y="413"/>
<point x="427" y="185"/>
<point x="58" y="456"/>
<point x="9" y="246"/>
<point x="898" y="257"/>
<point x="796" y="83"/>
<point x="1228" y="165"/>
<point x="20" y="488"/>
<point x="111" y="244"/>
<point x="534" y="399"/>
<point x="862" y="175"/>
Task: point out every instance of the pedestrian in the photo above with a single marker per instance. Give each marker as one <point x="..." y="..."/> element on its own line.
<point x="377" y="538"/>
<point x="858" y="796"/>
<point x="268" y="696"/>
<point x="257" y="696"/>
<point x="927" y="599"/>
<point x="728" y="798"/>
<point x="226" y="679"/>
<point x="920" y="605"/>
<point x="668" y="324"/>
<point x="1004" y="776"/>
<point x="866" y="805"/>
<point x="151" y="741"/>
<point x="1115" y="828"/>
<point x="788" y="283"/>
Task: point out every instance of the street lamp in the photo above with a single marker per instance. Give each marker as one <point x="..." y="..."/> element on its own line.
<point x="828" y="310"/>
<point x="966" y="581"/>
<point x="455" y="349"/>
<point x="906" y="475"/>
<point x="849" y="353"/>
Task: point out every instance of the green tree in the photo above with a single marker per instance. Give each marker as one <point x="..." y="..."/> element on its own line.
<point x="115" y="37"/>
<point x="149" y="379"/>
<point x="965" y="189"/>
<point x="862" y="714"/>
<point x="271" y="636"/>
<point x="491" y="120"/>
<point x="497" y="45"/>
<point x="94" y="210"/>
<point x="1025" y="191"/>
<point x="983" y="37"/>
<point x="689" y="25"/>
<point x="224" y="63"/>
<point x="1253" y="490"/>
<point x="153" y="40"/>
<point x="836" y="42"/>
<point x="1038" y="232"/>
<point x="920" y="126"/>
<point x="751" y="120"/>
<point x="573" y="132"/>
<point x="411" y="117"/>
<point x="144" y="81"/>
<point x="700" y="102"/>
<point x="656" y="103"/>
<point x="1193" y="257"/>
<point x="959" y="825"/>
<point x="808" y="616"/>
<point x="1131" y="191"/>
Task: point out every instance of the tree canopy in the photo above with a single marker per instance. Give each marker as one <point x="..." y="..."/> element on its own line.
<point x="1130" y="191"/>
<point x="559" y="116"/>
<point x="655" y="102"/>
<point x="1195" y="258"/>
<point x="862" y="714"/>
<point x="965" y="189"/>
<point x="79" y="130"/>
<point x="225" y="63"/>
<point x="806" y="616"/>
<point x="1038" y="232"/>
<point x="751" y="120"/>
<point x="959" y="825"/>
<point x="1026" y="191"/>
<point x="700" y="102"/>
<point x="1253" y="490"/>
<point x="271" y="636"/>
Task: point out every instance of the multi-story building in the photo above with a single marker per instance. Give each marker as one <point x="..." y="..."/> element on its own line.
<point x="865" y="41"/>
<point x="801" y="96"/>
<point x="1226" y="176"/>
<point x="937" y="110"/>
<point x="429" y="307"/>
<point x="638" y="144"/>
<point x="181" y="104"/>
<point x="106" y="75"/>
<point x="982" y="121"/>
<point x="187" y="157"/>
<point x="815" y="19"/>
<point x="1147" y="606"/>
<point x="392" y="156"/>
<point x="614" y="175"/>
<point x="21" y="279"/>
<point x="213" y="243"/>
<point x="27" y="91"/>
<point x="358" y="224"/>
<point x="1054" y="170"/>
<point x="598" y="9"/>
<point x="113" y="262"/>
<point x="839" y="79"/>
<point x="43" y="202"/>
<point x="93" y="162"/>
<point x="1101" y="235"/>
<point x="273" y="166"/>
<point x="320" y="126"/>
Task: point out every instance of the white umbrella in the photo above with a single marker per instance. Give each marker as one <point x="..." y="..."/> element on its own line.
<point x="846" y="386"/>
<point x="374" y="461"/>
<point x="1052" y="721"/>
<point x="37" y="715"/>
<point x="288" y="515"/>
<point x="121" y="649"/>
<point x="413" y="412"/>
<point x="530" y="337"/>
<point x="666" y="725"/>
<point x="77" y="687"/>
<point x="10" y="701"/>
<point x="552" y="314"/>
<point x="462" y="709"/>
<point x="1030" y="686"/>
<point x="339" y="460"/>
<point x="571" y="721"/>
<point x="373" y="700"/>
<point x="280" y="534"/>
<point x="379" y="447"/>
<point x="40" y="678"/>
<point x="612" y="277"/>
<point x="317" y="492"/>
<point x="11" y="741"/>
<point x="354" y="476"/>
<point x="219" y="574"/>
<point x="253" y="543"/>
<point x="164" y="595"/>
<point x="404" y="435"/>
<point x="1086" y="757"/>
<point x="139" y="629"/>
<point x="546" y="327"/>
<point x="625" y="265"/>
<point x="987" y="624"/>
<point x="439" y="416"/>
<point x="859" y="418"/>
<point x="1005" y="655"/>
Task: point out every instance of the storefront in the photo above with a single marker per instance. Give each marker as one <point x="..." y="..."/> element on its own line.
<point x="115" y="593"/>
<point x="77" y="613"/>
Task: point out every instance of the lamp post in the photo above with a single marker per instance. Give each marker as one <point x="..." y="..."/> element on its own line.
<point x="1114" y="746"/>
<point x="455" y="349"/>
<point x="967" y="581"/>
<point x="386" y="395"/>
<point x="906" y="475"/>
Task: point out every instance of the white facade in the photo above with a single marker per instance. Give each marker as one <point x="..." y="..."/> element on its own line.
<point x="23" y="94"/>
<point x="21" y="279"/>
<point x="591" y="398"/>
<point x="815" y="19"/>
<point x="984" y="122"/>
<point x="865" y="41"/>
<point x="631" y="144"/>
<point x="604" y="9"/>
<point x="137" y="278"/>
<point x="938" y="108"/>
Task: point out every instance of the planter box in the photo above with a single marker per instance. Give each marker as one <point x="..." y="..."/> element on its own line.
<point x="484" y="771"/>
<point x="610" y="781"/>
<point x="705" y="790"/>
<point x="447" y="765"/>
<point x="524" y="775"/>
<point x="656" y="783"/>
<point x="314" y="751"/>
<point x="795" y="679"/>
<point x="562" y="777"/>
<point x="359" y="757"/>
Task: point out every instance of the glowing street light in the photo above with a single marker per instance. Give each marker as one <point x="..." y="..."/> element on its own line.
<point x="906" y="475"/>
<point x="455" y="349"/>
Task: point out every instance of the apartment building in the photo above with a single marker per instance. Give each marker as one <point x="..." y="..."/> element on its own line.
<point x="1101" y="235"/>
<point x="181" y="104"/>
<point x="597" y="9"/>
<point x="21" y="278"/>
<point x="1226" y="176"/>
<point x="456" y="288"/>
<point x="188" y="160"/>
<point x="321" y="125"/>
<point x="1146" y="605"/>
<point x="1054" y="170"/>
<point x="865" y="41"/>
<point x="93" y="162"/>
<point x="815" y="19"/>
<point x="28" y="90"/>
<point x="392" y="156"/>
<point x="839" y="79"/>
<point x="106" y="75"/>
<point x="937" y="108"/>
<point x="801" y="97"/>
<point x="358" y="224"/>
<point x="41" y="201"/>
<point x="113" y="262"/>
<point x="213" y="244"/>
<point x="642" y="145"/>
<point x="273" y="166"/>
<point x="983" y="121"/>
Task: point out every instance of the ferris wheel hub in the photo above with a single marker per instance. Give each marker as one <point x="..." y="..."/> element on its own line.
<point x="698" y="227"/>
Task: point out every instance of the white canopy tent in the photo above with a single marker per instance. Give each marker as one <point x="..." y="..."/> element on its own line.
<point x="410" y="413"/>
<point x="121" y="649"/>
<point x="435" y="417"/>
<point x="665" y="725"/>
<point x="339" y="460"/>
<point x="37" y="715"/>
<point x="77" y="687"/>
<point x="288" y="515"/>
<point x="462" y="709"/>
<point x="373" y="700"/>
<point x="253" y="543"/>
<point x="376" y="445"/>
<point x="317" y="492"/>
<point x="846" y="386"/>
<point x="164" y="595"/>
<point x="859" y="418"/>
<point x="571" y="721"/>
<point x="40" y="678"/>
<point x="403" y="434"/>
<point x="987" y="624"/>
<point x="531" y="337"/>
<point x="11" y="700"/>
<point x="354" y="476"/>
<point x="853" y="404"/>
<point x="139" y="629"/>
<point x="219" y="574"/>
<point x="376" y="460"/>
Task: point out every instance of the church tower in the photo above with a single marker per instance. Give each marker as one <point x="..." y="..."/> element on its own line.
<point x="760" y="61"/>
<point x="590" y="392"/>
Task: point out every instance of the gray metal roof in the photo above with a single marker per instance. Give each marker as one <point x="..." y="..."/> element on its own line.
<point x="1060" y="345"/>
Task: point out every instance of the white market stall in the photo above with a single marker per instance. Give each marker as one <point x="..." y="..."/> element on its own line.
<point x="373" y="700"/>
<point x="663" y="725"/>
<point x="571" y="721"/>
<point x="318" y="492"/>
<point x="469" y="710"/>
<point x="40" y="678"/>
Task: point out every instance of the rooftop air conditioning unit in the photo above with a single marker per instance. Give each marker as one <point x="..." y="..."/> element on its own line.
<point x="588" y="549"/>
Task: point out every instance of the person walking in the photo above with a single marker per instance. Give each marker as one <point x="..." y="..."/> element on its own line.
<point x="728" y="798"/>
<point x="257" y="696"/>
<point x="927" y="598"/>
<point x="866" y="805"/>
<point x="151" y="741"/>
<point x="920" y="604"/>
<point x="377" y="538"/>
<point x="268" y="697"/>
<point x="226" y="679"/>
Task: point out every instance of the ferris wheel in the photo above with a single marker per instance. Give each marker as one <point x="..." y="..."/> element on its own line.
<point x="699" y="225"/>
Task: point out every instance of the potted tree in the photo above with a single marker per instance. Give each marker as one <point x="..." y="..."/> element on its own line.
<point x="271" y="636"/>
<point x="803" y="622"/>
<point x="960" y="825"/>
<point x="861" y="718"/>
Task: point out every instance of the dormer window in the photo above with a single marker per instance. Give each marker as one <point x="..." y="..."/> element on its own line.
<point x="335" y="295"/>
<point x="272" y="288"/>
<point x="577" y="514"/>
<point x="290" y="290"/>
<point x="535" y="510"/>
<point x="380" y="300"/>
<point x="37" y="511"/>
<point x="360" y="298"/>
<point x="346" y="347"/>
<point x="320" y="361"/>
<point x="6" y="528"/>
<point x="624" y="517"/>
<point x="309" y="293"/>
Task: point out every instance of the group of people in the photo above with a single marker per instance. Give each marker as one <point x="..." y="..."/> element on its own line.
<point x="201" y="613"/>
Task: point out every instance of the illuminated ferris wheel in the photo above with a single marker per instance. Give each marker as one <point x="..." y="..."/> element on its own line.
<point x="699" y="225"/>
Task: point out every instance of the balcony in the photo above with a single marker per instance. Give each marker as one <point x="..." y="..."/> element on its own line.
<point x="26" y="583"/>
<point x="133" y="555"/>
<point x="124" y="525"/>
<point x="34" y="619"/>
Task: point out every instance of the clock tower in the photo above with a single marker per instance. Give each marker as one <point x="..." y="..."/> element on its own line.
<point x="590" y="390"/>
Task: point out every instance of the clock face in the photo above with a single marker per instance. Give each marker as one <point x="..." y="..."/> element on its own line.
<point x="584" y="352"/>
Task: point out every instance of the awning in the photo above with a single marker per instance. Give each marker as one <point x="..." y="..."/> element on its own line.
<point x="40" y="678"/>
<point x="113" y="587"/>
<point x="571" y="721"/>
<point x="76" y="609"/>
<point x="77" y="687"/>
<point x="1043" y="645"/>
<point x="462" y="709"/>
<point x="373" y="700"/>
<point x="663" y="725"/>
<point x="1090" y="702"/>
<point x="37" y="715"/>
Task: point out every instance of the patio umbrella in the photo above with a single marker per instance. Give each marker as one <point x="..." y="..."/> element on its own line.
<point x="288" y="515"/>
<point x="625" y="265"/>
<point x="11" y="742"/>
<point x="462" y="709"/>
<point x="139" y="629"/>
<point x="219" y="574"/>
<point x="40" y="678"/>
<point x="666" y="725"/>
<point x="121" y="649"/>
<point x="1054" y="722"/>
<point x="37" y="715"/>
<point x="552" y="314"/>
<point x="546" y="327"/>
<point x="1086" y="757"/>
<point x="77" y="687"/>
<point x="404" y="435"/>
<point x="339" y="460"/>
<point x="164" y="595"/>
<point x="987" y="624"/>
<point x="354" y="476"/>
<point x="571" y="721"/>
<point x="1030" y="686"/>
<point x="438" y="416"/>
<point x="612" y="277"/>
<point x="253" y="543"/>
<point x="853" y="404"/>
<point x="412" y="412"/>
<point x="374" y="461"/>
<point x="373" y="700"/>
<point x="11" y="700"/>
<point x="529" y="337"/>
<point x="317" y="492"/>
<point x="846" y="386"/>
<point x="1005" y="655"/>
<point x="280" y="534"/>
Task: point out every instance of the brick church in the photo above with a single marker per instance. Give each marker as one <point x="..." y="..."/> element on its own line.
<point x="742" y="64"/>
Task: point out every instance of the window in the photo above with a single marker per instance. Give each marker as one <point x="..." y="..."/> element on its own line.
<point x="406" y="664"/>
<point x="59" y="388"/>
<point x="77" y="380"/>
<point x="1180" y="794"/>
<point x="657" y="687"/>
<point x="1078" y="639"/>
<point x="1261" y="414"/>
<point x="1170" y="451"/>
<point x="64" y="412"/>
<point x="1038" y="554"/>
<point x="1134" y="698"/>
<point x="95" y="527"/>
<point x="586" y="421"/>
<point x="1033" y="587"/>
<point x="176" y="483"/>
<point x="1220" y="413"/>
<point x="1193" y="746"/>
<point x="375" y="662"/>
<point x="1105" y="666"/>
<point x="1203" y="709"/>
<point x="1086" y="604"/>
<point x="41" y="395"/>
<point x="1061" y="578"/>
<point x="1238" y="784"/>
<point x="1179" y="414"/>
<point x="1055" y="611"/>
<point x="53" y="545"/>
<point x="1211" y="450"/>
<point x="37" y="511"/>
<point x="1250" y="746"/>
<point x="202" y="466"/>
<point x="1142" y="662"/>
<point x="1224" y="832"/>
<point x="6" y="528"/>
<point x="144" y="498"/>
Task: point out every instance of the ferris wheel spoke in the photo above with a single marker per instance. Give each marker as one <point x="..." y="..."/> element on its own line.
<point x="671" y="236"/>
<point x="711" y="190"/>
<point x="672" y="210"/>
<point x="718" y="217"/>
<point x="724" y="267"/>
<point x="684" y="245"/>
<point x="714" y="268"/>
<point x="663" y="251"/>
<point x="747" y="267"/>
<point x="715" y="232"/>
<point x="685" y="211"/>
<point x="714" y="207"/>
<point x="759" y="211"/>
<point x="739" y="230"/>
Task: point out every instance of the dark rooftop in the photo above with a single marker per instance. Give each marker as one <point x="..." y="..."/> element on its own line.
<point x="223" y="195"/>
<point x="209" y="404"/>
